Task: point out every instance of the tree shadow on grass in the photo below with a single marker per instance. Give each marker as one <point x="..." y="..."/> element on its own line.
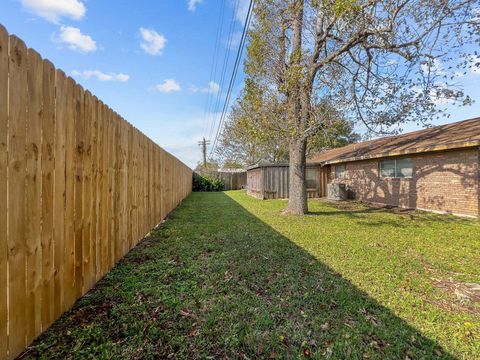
<point x="362" y="211"/>
<point x="216" y="282"/>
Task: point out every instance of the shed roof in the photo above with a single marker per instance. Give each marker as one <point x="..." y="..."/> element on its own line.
<point x="451" y="136"/>
<point x="279" y="164"/>
<point x="266" y="164"/>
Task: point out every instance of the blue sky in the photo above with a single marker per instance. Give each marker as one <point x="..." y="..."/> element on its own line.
<point x="161" y="87"/>
<point x="151" y="60"/>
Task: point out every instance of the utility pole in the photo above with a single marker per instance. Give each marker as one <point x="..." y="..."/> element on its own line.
<point x="204" y="144"/>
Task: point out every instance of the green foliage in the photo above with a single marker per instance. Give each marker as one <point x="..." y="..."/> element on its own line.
<point x="211" y="166"/>
<point x="206" y="183"/>
<point x="338" y="131"/>
<point x="232" y="164"/>
<point x="228" y="277"/>
<point x="344" y="7"/>
<point x="250" y="133"/>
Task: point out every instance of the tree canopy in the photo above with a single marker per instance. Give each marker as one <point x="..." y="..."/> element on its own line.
<point x="378" y="62"/>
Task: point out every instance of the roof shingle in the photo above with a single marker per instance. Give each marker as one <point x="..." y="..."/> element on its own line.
<point x="456" y="135"/>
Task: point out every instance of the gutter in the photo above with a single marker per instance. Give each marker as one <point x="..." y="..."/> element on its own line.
<point x="263" y="165"/>
<point x="425" y="149"/>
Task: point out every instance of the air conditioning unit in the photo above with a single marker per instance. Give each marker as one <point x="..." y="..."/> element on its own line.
<point x="337" y="191"/>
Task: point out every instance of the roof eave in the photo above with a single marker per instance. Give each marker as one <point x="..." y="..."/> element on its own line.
<point x="452" y="146"/>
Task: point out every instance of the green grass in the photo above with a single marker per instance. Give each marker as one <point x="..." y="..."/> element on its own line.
<point x="228" y="276"/>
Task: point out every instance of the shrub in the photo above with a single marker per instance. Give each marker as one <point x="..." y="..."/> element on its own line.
<point x="205" y="183"/>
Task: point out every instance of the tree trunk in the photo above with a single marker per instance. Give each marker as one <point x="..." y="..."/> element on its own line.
<point x="297" y="191"/>
<point x="297" y="197"/>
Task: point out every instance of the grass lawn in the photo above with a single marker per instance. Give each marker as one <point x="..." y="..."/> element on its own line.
<point x="227" y="276"/>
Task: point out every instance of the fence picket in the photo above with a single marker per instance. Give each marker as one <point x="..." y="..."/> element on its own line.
<point x="3" y="185"/>
<point x="17" y="121"/>
<point x="33" y="193"/>
<point x="59" y="193"/>
<point x="48" y="166"/>
<point x="70" y="144"/>
<point x="87" y="185"/>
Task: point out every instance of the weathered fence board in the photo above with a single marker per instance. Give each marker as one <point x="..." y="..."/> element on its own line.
<point x="82" y="187"/>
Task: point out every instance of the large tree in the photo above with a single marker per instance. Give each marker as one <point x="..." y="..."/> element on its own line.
<point x="382" y="62"/>
<point x="248" y="138"/>
<point x="240" y="145"/>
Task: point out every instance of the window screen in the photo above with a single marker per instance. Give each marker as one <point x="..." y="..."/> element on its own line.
<point x="401" y="168"/>
<point x="311" y="177"/>
<point x="339" y="171"/>
<point x="387" y="168"/>
<point x="404" y="168"/>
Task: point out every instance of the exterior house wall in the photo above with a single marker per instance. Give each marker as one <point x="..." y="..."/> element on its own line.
<point x="445" y="182"/>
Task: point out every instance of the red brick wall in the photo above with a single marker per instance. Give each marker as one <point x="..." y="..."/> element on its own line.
<point x="446" y="182"/>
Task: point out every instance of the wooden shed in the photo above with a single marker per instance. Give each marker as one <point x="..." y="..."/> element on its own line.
<point x="270" y="180"/>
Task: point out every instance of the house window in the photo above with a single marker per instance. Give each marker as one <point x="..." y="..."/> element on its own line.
<point x="311" y="178"/>
<point x="339" y="171"/>
<point x="401" y="168"/>
<point x="387" y="168"/>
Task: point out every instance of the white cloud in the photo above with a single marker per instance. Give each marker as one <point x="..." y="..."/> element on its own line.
<point x="234" y="41"/>
<point x="440" y="94"/>
<point x="168" y="86"/>
<point x="474" y="64"/>
<point x="192" y="4"/>
<point x="54" y="10"/>
<point x="212" y="88"/>
<point x="75" y="40"/>
<point x="242" y="10"/>
<point x="101" y="76"/>
<point x="475" y="14"/>
<point x="435" y="67"/>
<point x="391" y="62"/>
<point x="153" y="42"/>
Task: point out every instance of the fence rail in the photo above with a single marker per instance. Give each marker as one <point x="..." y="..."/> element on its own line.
<point x="79" y="187"/>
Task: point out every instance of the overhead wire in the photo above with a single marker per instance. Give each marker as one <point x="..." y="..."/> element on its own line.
<point x="234" y="74"/>
<point x="213" y="69"/>
<point x="213" y="111"/>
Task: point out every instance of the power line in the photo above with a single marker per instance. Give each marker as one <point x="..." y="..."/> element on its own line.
<point x="234" y="73"/>
<point x="223" y="72"/>
<point x="213" y="69"/>
<point x="213" y="111"/>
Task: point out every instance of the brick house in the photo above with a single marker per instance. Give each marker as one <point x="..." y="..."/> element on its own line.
<point x="435" y="169"/>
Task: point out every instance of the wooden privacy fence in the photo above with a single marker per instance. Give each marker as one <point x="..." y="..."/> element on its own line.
<point x="233" y="180"/>
<point x="79" y="187"/>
